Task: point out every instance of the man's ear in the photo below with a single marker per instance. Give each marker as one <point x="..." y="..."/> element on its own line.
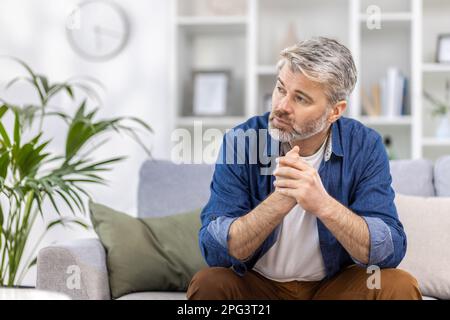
<point x="337" y="111"/>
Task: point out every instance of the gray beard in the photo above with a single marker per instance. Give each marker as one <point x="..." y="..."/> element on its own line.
<point x="299" y="133"/>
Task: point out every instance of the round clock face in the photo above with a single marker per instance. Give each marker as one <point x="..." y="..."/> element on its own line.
<point x="97" y="29"/>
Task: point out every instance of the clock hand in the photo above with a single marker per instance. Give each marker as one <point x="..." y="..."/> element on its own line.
<point x="98" y="41"/>
<point x="107" y="32"/>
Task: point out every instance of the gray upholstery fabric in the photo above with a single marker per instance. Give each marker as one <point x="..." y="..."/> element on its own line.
<point x="413" y="177"/>
<point x="154" y="295"/>
<point x="58" y="266"/>
<point x="442" y="176"/>
<point x="166" y="188"/>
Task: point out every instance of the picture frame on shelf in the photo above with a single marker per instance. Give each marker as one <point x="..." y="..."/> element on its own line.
<point x="443" y="48"/>
<point x="211" y="89"/>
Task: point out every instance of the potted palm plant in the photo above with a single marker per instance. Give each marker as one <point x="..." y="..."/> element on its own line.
<point x="31" y="175"/>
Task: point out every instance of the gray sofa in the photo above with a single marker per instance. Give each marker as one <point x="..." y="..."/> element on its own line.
<point x="179" y="188"/>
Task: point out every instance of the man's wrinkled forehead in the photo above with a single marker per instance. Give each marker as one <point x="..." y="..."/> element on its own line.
<point x="297" y="81"/>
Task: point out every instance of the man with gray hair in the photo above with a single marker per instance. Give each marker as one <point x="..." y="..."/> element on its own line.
<point x="312" y="228"/>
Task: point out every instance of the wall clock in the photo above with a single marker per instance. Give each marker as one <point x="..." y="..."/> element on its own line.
<point x="98" y="30"/>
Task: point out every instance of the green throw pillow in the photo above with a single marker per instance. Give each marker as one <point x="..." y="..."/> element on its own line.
<point x="148" y="254"/>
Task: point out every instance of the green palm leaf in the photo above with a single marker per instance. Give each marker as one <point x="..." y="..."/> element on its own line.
<point x="31" y="175"/>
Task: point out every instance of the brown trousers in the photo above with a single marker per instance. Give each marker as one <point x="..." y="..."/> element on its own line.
<point x="217" y="283"/>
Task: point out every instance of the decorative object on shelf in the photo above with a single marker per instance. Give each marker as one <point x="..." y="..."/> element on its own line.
<point x="443" y="129"/>
<point x="371" y="104"/>
<point x="376" y="95"/>
<point x="98" y="30"/>
<point x="367" y="104"/>
<point x="227" y="7"/>
<point x="33" y="174"/>
<point x="211" y="89"/>
<point x="290" y="38"/>
<point x="441" y="110"/>
<point x="389" y="149"/>
<point x="443" y="49"/>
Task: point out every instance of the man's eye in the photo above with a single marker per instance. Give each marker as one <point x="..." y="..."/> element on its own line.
<point x="300" y="99"/>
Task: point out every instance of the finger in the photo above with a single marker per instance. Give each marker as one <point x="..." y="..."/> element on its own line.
<point x="294" y="152"/>
<point x="286" y="183"/>
<point x="294" y="163"/>
<point x="287" y="172"/>
<point x="287" y="192"/>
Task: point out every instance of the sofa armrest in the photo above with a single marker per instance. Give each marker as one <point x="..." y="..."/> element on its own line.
<point x="76" y="268"/>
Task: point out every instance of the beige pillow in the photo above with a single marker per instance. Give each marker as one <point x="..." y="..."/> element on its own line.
<point x="427" y="226"/>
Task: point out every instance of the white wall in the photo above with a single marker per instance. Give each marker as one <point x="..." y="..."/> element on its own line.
<point x="137" y="82"/>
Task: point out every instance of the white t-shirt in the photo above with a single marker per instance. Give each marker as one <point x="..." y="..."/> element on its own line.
<point x="296" y="253"/>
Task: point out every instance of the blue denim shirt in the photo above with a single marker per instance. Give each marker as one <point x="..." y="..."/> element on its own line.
<point x="356" y="173"/>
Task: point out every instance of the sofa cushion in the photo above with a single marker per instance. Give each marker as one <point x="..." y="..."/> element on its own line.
<point x="148" y="254"/>
<point x="442" y="176"/>
<point x="427" y="224"/>
<point x="167" y="188"/>
<point x="413" y="177"/>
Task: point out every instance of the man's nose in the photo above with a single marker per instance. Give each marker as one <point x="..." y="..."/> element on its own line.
<point x="284" y="105"/>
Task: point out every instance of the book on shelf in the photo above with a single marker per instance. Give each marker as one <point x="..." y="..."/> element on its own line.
<point x="368" y="106"/>
<point x="393" y="92"/>
<point x="388" y="97"/>
<point x="376" y="99"/>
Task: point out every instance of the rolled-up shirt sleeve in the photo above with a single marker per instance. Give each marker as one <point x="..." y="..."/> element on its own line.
<point x="219" y="229"/>
<point x="373" y="200"/>
<point x="381" y="245"/>
<point x="229" y="200"/>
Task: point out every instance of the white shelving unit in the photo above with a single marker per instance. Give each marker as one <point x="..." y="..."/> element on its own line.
<point x="210" y="121"/>
<point x="247" y="43"/>
<point x="390" y="17"/>
<point x="435" y="67"/>
<point x="436" y="142"/>
<point x="435" y="20"/>
<point x="386" y="121"/>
